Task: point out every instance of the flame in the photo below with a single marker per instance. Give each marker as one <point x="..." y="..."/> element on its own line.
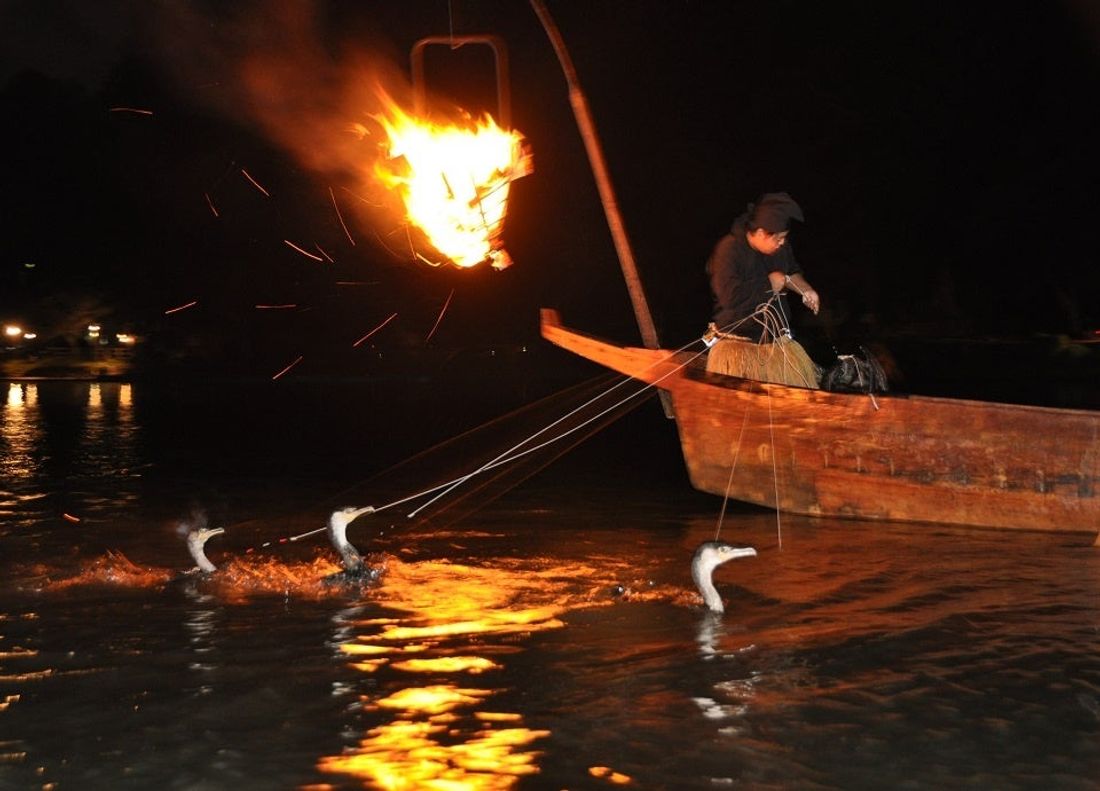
<point x="454" y="181"/>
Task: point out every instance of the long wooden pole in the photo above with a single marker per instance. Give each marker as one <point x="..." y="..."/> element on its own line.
<point x="603" y="181"/>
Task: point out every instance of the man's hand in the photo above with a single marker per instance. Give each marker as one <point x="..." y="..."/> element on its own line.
<point x="809" y="297"/>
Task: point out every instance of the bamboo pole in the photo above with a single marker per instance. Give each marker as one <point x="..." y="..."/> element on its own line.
<point x="603" y="183"/>
<point x="603" y="180"/>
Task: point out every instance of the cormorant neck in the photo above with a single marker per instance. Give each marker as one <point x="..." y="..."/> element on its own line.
<point x="711" y="597"/>
<point x="196" y="545"/>
<point x="353" y="561"/>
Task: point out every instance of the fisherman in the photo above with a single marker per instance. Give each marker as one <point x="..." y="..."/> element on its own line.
<point x="751" y="269"/>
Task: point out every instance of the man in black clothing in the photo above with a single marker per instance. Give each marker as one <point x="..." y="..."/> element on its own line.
<point x="754" y="261"/>
<point x="749" y="270"/>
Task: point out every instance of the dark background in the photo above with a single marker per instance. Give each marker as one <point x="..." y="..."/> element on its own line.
<point x="943" y="155"/>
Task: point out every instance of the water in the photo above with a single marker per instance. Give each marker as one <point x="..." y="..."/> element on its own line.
<point x="550" y="639"/>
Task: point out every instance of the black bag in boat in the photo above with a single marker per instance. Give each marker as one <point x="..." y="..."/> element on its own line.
<point x="852" y="373"/>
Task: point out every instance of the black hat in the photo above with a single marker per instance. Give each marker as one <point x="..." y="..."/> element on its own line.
<point x="773" y="211"/>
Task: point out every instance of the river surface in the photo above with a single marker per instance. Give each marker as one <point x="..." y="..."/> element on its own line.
<point x="545" y="634"/>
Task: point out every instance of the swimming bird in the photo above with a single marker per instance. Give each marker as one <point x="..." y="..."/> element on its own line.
<point x="196" y="545"/>
<point x="354" y="567"/>
<point x="709" y="556"/>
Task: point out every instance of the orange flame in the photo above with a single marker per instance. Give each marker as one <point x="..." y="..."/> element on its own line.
<point x="454" y="181"/>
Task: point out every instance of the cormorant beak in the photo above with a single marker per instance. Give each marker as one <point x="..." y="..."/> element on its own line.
<point x="740" y="552"/>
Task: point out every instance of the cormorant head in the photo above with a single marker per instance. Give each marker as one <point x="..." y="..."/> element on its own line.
<point x="711" y="554"/>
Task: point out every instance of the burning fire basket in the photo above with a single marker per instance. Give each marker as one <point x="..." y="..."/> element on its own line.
<point x="455" y="178"/>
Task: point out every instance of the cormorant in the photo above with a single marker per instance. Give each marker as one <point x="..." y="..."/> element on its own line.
<point x="709" y="556"/>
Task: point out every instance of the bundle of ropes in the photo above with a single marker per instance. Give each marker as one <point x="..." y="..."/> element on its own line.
<point x="453" y="494"/>
<point x="776" y="357"/>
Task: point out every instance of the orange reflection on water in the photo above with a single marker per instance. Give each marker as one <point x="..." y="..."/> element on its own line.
<point x="369" y="665"/>
<point x="441" y="735"/>
<point x="411" y="755"/>
<point x="522" y="620"/>
<point x="497" y="716"/>
<point x="610" y="775"/>
<point x="15" y="394"/>
<point x="448" y="664"/>
<point x="448" y="599"/>
<point x="435" y="699"/>
<point x="360" y="650"/>
<point x="20" y="431"/>
<point x="33" y="675"/>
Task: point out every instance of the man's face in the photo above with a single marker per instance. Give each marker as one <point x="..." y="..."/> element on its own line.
<point x="766" y="243"/>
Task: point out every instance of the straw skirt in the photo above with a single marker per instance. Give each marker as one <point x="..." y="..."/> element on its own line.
<point x="783" y="362"/>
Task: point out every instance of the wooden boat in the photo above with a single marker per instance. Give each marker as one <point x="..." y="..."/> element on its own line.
<point x="888" y="457"/>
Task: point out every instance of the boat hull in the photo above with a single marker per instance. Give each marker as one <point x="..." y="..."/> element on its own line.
<point x="888" y="457"/>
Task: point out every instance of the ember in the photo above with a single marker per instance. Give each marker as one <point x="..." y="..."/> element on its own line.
<point x="454" y="181"/>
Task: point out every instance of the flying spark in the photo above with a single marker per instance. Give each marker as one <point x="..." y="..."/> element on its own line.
<point x="181" y="307"/>
<point x="210" y="203"/>
<point x="321" y="250"/>
<point x="255" y="183"/>
<point x="361" y="198"/>
<point x="306" y="253"/>
<point x="445" y="305"/>
<point x="415" y="252"/>
<point x="376" y="329"/>
<point x="276" y="376"/>
<point x="339" y="216"/>
<point x="137" y="110"/>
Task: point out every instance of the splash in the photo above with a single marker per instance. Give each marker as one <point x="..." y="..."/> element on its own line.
<point x="113" y="569"/>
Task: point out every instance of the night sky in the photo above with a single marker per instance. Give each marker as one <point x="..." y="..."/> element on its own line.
<point x="943" y="155"/>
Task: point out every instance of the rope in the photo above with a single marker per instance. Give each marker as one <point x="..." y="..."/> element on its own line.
<point x="504" y="458"/>
<point x="514" y="453"/>
<point x="729" y="482"/>
<point x="773" y="321"/>
<point x="775" y="471"/>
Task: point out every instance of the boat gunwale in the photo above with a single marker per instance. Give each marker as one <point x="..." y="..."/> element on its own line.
<point x="756" y="387"/>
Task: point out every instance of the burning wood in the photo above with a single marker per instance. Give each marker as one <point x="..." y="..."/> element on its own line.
<point x="454" y="181"/>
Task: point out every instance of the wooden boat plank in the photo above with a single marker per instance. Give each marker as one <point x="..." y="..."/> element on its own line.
<point x="903" y="458"/>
